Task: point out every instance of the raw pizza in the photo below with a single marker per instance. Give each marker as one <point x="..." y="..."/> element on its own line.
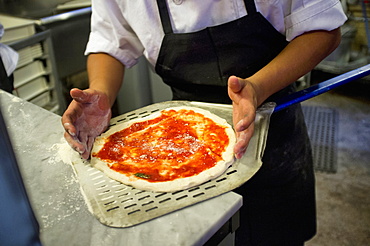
<point x="169" y="150"/>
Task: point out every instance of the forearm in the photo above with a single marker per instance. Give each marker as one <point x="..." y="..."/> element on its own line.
<point x="105" y="74"/>
<point x="299" y="57"/>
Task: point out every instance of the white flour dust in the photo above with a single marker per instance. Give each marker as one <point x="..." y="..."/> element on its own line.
<point x="16" y="99"/>
<point x="64" y="153"/>
<point x="67" y="155"/>
<point x="65" y="202"/>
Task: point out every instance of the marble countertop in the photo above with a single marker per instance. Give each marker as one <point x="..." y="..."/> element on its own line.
<point x="60" y="207"/>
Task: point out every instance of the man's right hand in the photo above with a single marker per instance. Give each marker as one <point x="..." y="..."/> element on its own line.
<point x="86" y="117"/>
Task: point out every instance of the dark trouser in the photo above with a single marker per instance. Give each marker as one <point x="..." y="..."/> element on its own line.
<point x="278" y="215"/>
<point x="279" y="205"/>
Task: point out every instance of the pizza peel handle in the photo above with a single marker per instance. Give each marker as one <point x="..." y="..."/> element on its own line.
<point x="322" y="87"/>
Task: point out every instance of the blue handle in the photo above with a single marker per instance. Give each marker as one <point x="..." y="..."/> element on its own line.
<point x="322" y="87"/>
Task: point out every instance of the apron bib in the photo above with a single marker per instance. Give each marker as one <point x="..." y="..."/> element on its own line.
<point x="197" y="66"/>
<point x="240" y="47"/>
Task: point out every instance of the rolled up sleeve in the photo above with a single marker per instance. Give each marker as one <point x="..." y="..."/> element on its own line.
<point x="111" y="34"/>
<point x="314" y="15"/>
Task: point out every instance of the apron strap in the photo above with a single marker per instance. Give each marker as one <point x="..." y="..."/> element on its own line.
<point x="166" y="21"/>
<point x="165" y="17"/>
<point x="250" y="6"/>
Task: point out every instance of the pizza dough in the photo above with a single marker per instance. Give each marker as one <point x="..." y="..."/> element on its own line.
<point x="169" y="150"/>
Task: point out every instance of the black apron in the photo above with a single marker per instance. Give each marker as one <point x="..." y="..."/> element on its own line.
<point x="6" y="82"/>
<point x="279" y="201"/>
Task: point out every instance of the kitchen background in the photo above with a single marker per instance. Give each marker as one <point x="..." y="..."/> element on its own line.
<point x="50" y="37"/>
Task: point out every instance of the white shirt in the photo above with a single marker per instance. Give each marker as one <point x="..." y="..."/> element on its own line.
<point x="127" y="29"/>
<point x="8" y="55"/>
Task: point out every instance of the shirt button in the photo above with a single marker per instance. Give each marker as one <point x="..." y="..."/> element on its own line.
<point x="178" y="2"/>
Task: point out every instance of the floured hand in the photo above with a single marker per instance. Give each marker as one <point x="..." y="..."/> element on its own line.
<point x="86" y="117"/>
<point x="243" y="95"/>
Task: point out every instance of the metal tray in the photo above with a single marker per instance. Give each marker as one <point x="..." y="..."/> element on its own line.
<point x="117" y="205"/>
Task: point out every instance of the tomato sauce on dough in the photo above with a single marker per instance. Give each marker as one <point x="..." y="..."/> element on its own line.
<point x="176" y="144"/>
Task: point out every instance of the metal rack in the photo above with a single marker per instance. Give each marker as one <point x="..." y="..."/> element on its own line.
<point x="42" y="87"/>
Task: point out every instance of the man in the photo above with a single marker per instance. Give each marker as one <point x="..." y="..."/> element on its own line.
<point x="240" y="52"/>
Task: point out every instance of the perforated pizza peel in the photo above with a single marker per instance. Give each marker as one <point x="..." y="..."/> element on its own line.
<point x="117" y="205"/>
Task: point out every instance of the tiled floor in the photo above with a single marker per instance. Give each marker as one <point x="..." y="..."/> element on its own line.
<point x="343" y="198"/>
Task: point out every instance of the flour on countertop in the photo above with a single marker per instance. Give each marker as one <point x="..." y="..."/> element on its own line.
<point x="16" y="99"/>
<point x="64" y="153"/>
<point x="69" y="156"/>
<point x="65" y="205"/>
